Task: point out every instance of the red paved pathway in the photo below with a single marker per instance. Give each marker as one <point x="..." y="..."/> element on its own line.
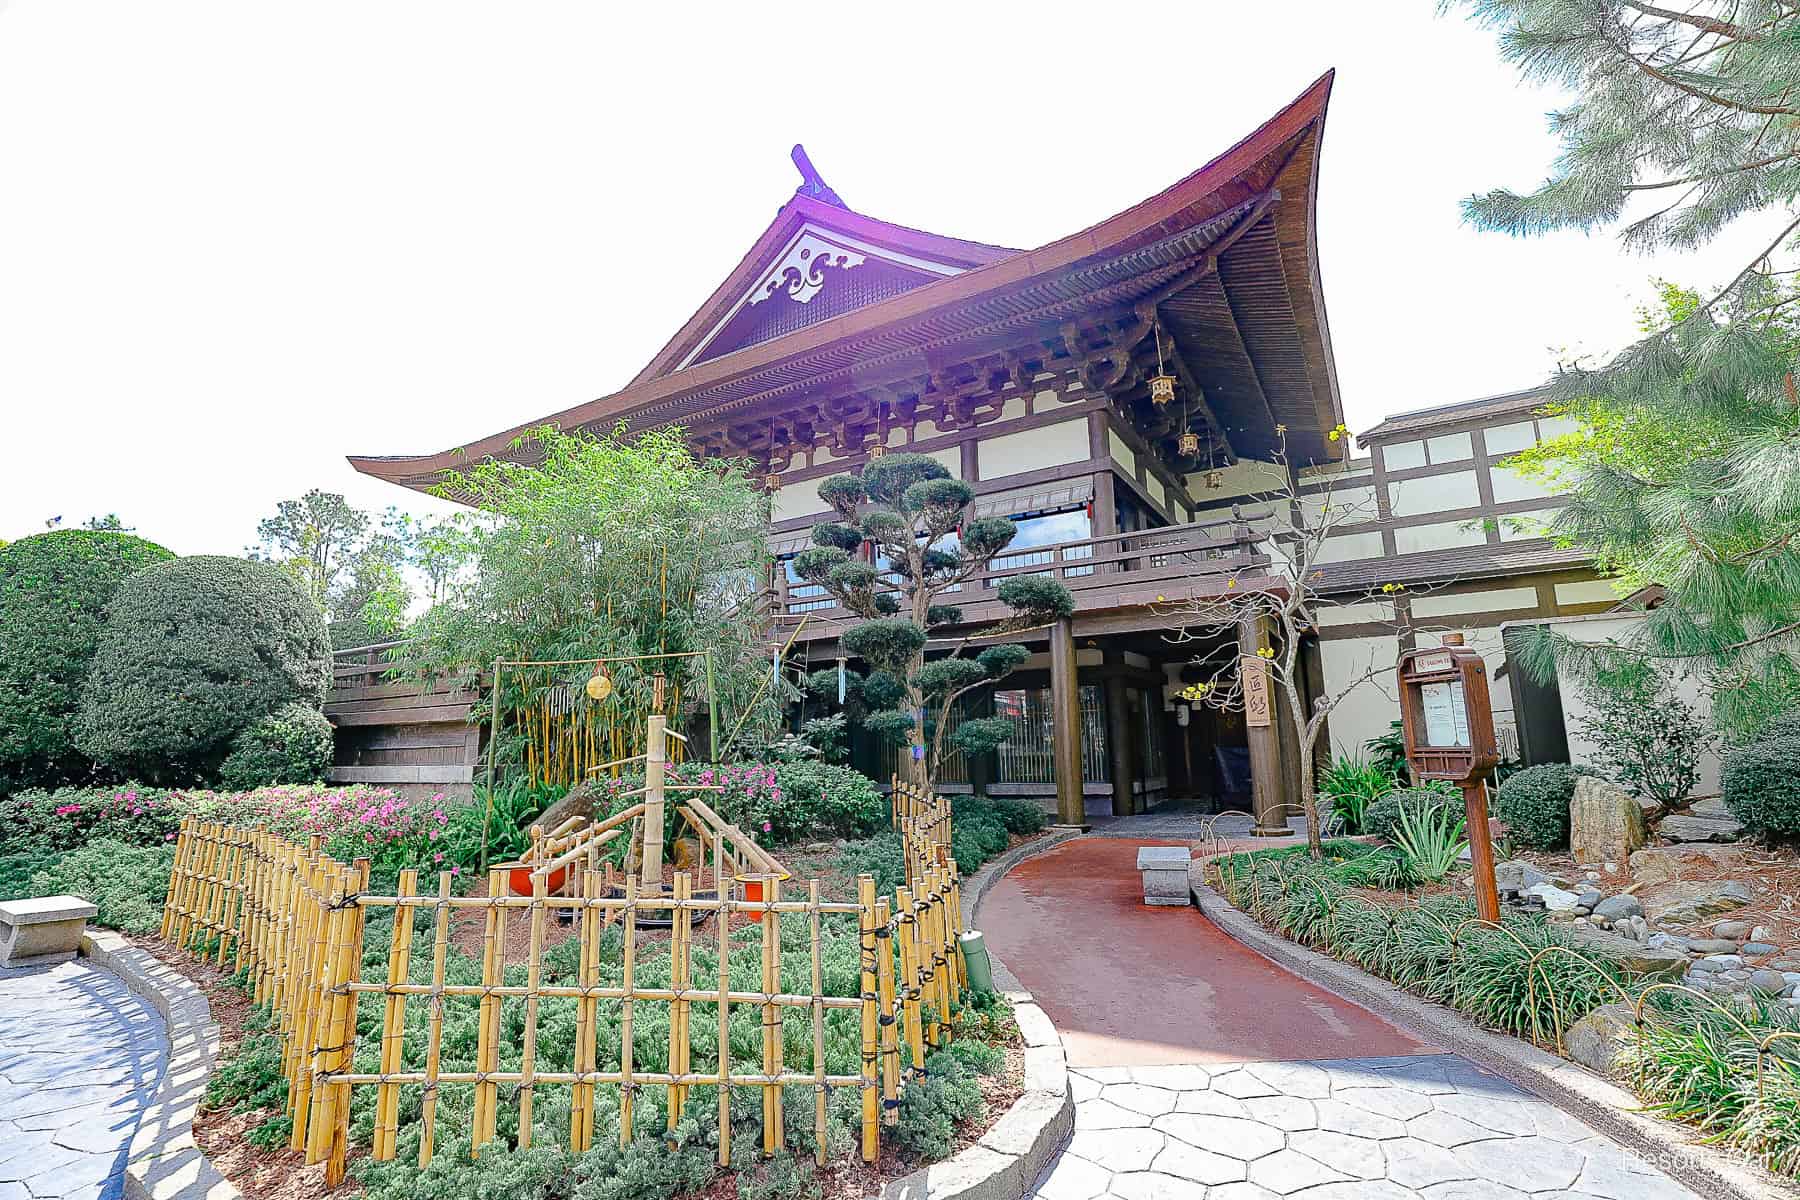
<point x="1130" y="985"/>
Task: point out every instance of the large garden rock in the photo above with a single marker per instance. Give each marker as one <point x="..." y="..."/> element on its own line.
<point x="1596" y="1040"/>
<point x="578" y="802"/>
<point x="1517" y="875"/>
<point x="1555" y="899"/>
<point x="1707" y="821"/>
<point x="1606" y="823"/>
<point x="1657" y="865"/>
<point x="1638" y="958"/>
<point x="1619" y="908"/>
<point x="1685" y="903"/>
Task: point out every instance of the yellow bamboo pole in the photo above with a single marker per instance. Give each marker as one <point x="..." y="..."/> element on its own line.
<point x="440" y="948"/>
<point x="679" y="967"/>
<point x="884" y="990"/>
<point x="871" y="1100"/>
<point x="393" y="1026"/>
<point x="533" y="977"/>
<point x="627" y="1088"/>
<point x="771" y="1016"/>
<point x="487" y="1036"/>
<point x="581" y="1102"/>
<point x="724" y="1016"/>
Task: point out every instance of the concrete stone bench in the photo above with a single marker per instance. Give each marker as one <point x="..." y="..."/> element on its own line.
<point x="42" y="931"/>
<point x="1165" y="871"/>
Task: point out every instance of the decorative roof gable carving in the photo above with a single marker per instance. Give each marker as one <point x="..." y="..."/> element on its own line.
<point x="827" y="271"/>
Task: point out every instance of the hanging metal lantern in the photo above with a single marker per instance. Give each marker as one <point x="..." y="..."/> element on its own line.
<point x="1190" y="444"/>
<point x="772" y="481"/>
<point x="1162" y="389"/>
<point x="877" y="450"/>
<point x="1214" y="480"/>
<point x="599" y="684"/>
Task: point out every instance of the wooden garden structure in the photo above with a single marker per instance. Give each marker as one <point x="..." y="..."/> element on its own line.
<point x="294" y="919"/>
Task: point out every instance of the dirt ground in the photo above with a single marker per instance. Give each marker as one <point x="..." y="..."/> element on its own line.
<point x="1773" y="874"/>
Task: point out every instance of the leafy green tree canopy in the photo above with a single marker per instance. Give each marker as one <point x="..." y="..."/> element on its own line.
<point x="1690" y="474"/>
<point x="54" y="588"/>
<point x="193" y="651"/>
<point x="608" y="545"/>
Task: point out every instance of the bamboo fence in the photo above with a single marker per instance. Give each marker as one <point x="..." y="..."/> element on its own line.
<point x="291" y="919"/>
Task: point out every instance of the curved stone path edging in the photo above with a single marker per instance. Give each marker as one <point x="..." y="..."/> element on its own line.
<point x="164" y="1162"/>
<point x="1598" y="1102"/>
<point x="1010" y="1157"/>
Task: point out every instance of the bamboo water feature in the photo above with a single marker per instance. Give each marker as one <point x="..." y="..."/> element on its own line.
<point x="292" y="919"/>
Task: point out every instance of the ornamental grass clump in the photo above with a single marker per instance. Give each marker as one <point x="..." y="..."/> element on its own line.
<point x="1349" y="785"/>
<point x="1525" y="977"/>
<point x="1696" y="1062"/>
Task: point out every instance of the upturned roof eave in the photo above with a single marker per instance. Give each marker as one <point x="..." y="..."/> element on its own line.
<point x="1009" y="272"/>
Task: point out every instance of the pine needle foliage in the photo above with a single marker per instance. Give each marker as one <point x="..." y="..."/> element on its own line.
<point x="1685" y="119"/>
<point x="1692" y="105"/>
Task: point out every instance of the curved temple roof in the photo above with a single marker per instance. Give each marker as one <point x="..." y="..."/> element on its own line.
<point x="828" y="298"/>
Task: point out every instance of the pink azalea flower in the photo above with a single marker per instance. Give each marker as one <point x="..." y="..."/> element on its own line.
<point x="438" y="857"/>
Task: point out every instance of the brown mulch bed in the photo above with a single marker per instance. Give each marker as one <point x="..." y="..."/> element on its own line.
<point x="1773" y="874"/>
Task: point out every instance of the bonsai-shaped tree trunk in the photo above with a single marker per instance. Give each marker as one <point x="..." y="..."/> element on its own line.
<point x="913" y="514"/>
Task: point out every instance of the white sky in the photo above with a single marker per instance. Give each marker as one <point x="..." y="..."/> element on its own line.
<point x="241" y="240"/>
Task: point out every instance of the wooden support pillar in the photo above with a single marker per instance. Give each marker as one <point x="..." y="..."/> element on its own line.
<point x="1120" y="747"/>
<point x="1065" y="709"/>
<point x="1268" y="778"/>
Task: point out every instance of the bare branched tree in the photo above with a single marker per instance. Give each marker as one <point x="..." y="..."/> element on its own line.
<point x="1290" y="601"/>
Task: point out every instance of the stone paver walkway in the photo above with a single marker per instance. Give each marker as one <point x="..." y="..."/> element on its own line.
<point x="80" y="1057"/>
<point x="1429" y="1126"/>
<point x="1203" y="1071"/>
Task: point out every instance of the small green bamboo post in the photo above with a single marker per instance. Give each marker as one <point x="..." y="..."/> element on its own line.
<point x="712" y="707"/>
<point x="487" y="815"/>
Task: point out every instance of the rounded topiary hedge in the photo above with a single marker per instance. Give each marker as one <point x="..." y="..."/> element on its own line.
<point x="290" y="745"/>
<point x="1534" y="803"/>
<point x="54" y="588"/>
<point x="194" y="651"/>
<point x="1761" y="786"/>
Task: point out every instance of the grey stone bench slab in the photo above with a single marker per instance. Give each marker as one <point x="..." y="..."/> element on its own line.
<point x="1165" y="872"/>
<point x="42" y="931"/>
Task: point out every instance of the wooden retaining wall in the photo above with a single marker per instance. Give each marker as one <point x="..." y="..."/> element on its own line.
<point x="409" y="736"/>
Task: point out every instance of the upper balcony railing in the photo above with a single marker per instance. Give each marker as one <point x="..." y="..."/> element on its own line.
<point x="1114" y="570"/>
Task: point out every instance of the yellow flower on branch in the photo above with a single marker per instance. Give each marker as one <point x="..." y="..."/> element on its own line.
<point x="1266" y="652"/>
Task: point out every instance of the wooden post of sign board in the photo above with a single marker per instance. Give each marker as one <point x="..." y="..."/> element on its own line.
<point x="1267" y="779"/>
<point x="1447" y="718"/>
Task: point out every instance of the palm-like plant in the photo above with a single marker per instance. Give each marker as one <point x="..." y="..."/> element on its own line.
<point x="1430" y="840"/>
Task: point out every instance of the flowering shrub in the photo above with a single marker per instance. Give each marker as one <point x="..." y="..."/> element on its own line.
<point x="777" y="805"/>
<point x="42" y="823"/>
<point x="354" y="822"/>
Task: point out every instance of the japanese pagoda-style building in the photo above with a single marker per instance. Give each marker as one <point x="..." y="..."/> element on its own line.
<point x="1027" y="374"/>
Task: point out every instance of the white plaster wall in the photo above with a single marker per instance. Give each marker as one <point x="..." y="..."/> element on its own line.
<point x="1619" y="627"/>
<point x="1243" y="477"/>
<point x="798" y="500"/>
<point x="1029" y="449"/>
<point x="1370" y="707"/>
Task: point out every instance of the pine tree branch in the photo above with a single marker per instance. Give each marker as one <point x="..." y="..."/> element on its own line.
<point x="1710" y="175"/>
<point x="1704" y="24"/>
